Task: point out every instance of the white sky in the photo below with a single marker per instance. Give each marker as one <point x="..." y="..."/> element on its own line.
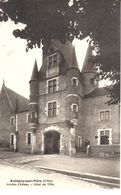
<point x="16" y="64"/>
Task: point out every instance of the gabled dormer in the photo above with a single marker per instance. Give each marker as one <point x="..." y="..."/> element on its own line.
<point x="52" y="65"/>
<point x="58" y="59"/>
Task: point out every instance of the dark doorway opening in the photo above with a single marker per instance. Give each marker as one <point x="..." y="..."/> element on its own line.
<point x="51" y="142"/>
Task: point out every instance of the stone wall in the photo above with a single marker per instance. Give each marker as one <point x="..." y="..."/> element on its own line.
<point x="23" y="127"/>
<point x="91" y="122"/>
<point x="105" y="151"/>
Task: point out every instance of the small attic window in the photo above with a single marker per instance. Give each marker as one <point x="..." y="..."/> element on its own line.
<point x="92" y="81"/>
<point x="52" y="60"/>
<point x="74" y="81"/>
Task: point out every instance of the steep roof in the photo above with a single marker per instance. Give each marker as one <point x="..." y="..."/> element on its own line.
<point x="68" y="52"/>
<point x="73" y="59"/>
<point x="97" y="92"/>
<point x="88" y="61"/>
<point x="17" y="102"/>
<point x="34" y="75"/>
<point x="69" y="59"/>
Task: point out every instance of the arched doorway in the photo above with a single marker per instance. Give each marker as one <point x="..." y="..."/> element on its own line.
<point x="51" y="142"/>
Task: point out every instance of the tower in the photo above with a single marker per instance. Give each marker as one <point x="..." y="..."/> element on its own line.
<point x="60" y="89"/>
<point x="74" y="92"/>
<point x="33" y="105"/>
<point x="56" y="93"/>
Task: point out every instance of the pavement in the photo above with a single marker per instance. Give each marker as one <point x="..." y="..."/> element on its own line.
<point x="12" y="177"/>
<point x="96" y="170"/>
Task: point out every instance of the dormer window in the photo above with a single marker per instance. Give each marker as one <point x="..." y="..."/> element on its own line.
<point x="93" y="81"/>
<point x="53" y="65"/>
<point x="74" y="81"/>
<point x="52" y="60"/>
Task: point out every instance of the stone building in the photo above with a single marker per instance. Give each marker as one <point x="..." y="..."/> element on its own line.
<point x="13" y="122"/>
<point x="67" y="111"/>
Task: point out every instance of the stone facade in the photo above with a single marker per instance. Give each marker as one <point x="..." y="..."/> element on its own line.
<point x="67" y="110"/>
<point x="13" y="123"/>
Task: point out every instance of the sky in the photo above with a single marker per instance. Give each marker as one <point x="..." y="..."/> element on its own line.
<point x="16" y="64"/>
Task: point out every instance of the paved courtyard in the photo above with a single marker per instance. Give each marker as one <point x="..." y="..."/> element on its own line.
<point x="98" y="166"/>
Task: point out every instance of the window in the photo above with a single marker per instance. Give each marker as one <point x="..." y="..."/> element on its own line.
<point x="12" y="139"/>
<point x="53" y="65"/>
<point x="52" y="109"/>
<point x="28" y="138"/>
<point x="79" y="142"/>
<point x="28" y="118"/>
<point x="104" y="137"/>
<point x="104" y="115"/>
<point x="92" y="81"/>
<point x="52" y="86"/>
<point x="33" y="115"/>
<point x="74" y="108"/>
<point x="12" y="120"/>
<point x="74" y="81"/>
<point x="107" y="115"/>
<point x="52" y="60"/>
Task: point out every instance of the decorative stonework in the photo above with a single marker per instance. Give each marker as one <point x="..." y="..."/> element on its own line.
<point x="52" y="128"/>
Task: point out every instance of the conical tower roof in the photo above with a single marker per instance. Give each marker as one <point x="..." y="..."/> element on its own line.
<point x="73" y="59"/>
<point x="34" y="72"/>
<point x="88" y="62"/>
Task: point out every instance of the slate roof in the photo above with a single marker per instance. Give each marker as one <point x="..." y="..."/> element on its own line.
<point x="88" y="61"/>
<point x="69" y="60"/>
<point x="97" y="92"/>
<point x="16" y="101"/>
<point x="34" y="72"/>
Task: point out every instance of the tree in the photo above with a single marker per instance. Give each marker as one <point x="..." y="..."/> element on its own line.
<point x="48" y="19"/>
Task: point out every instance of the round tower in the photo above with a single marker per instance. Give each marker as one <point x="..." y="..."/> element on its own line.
<point x="33" y="105"/>
<point x="73" y="106"/>
<point x="72" y="91"/>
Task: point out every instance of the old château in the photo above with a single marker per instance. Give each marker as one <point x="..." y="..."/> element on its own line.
<point x="66" y="109"/>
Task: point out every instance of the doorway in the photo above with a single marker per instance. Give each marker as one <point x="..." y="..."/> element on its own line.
<point x="51" y="142"/>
